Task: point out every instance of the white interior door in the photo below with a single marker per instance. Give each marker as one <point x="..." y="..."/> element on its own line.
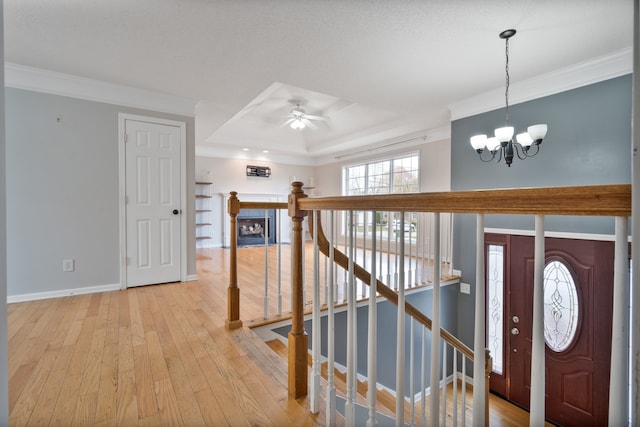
<point x="152" y="202"/>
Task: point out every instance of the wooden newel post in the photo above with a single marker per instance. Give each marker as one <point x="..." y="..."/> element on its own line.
<point x="298" y="339"/>
<point x="233" y="293"/>
<point x="488" y="368"/>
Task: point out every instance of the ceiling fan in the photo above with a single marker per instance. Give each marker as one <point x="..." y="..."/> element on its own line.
<point x="298" y="119"/>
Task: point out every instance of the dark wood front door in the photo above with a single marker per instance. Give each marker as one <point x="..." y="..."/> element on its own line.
<point x="578" y="346"/>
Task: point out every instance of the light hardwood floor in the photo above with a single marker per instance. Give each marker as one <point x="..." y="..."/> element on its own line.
<point x="155" y="355"/>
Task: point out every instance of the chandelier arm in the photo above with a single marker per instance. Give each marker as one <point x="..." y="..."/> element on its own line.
<point x="493" y="156"/>
<point x="518" y="149"/>
<point x="530" y="153"/>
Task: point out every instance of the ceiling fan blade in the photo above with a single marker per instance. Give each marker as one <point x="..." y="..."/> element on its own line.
<point x="288" y="122"/>
<point x="312" y="117"/>
<point x="309" y="123"/>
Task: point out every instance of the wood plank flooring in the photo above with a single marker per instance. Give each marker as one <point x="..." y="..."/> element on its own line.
<point x="150" y="356"/>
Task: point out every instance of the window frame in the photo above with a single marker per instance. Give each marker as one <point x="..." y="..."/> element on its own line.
<point x="392" y="173"/>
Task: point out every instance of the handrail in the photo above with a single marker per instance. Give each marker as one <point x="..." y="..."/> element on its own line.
<point x="594" y="200"/>
<point x="343" y="261"/>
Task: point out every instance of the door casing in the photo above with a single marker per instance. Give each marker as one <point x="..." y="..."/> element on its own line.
<point x="122" y="118"/>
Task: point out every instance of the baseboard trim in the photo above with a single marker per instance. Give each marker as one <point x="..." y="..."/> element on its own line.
<point x="192" y="278"/>
<point x="62" y="293"/>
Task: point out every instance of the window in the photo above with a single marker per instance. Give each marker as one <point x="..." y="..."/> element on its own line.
<point x="396" y="175"/>
<point x="495" y="305"/>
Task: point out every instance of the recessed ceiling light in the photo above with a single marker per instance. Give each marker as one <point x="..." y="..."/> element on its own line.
<point x="265" y="151"/>
<point x="245" y="149"/>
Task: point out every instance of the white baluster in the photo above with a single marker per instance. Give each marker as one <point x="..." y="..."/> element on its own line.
<point x="479" y="329"/>
<point x="372" y="361"/>
<point x="396" y="258"/>
<point x="380" y="254"/>
<point x="423" y="377"/>
<point x="291" y="262"/>
<point x="346" y="251"/>
<point x="316" y="387"/>
<point x="331" y="388"/>
<point x="389" y="225"/>
<point x="409" y="273"/>
<point x="435" y="323"/>
<point x="536" y="417"/>
<point x="464" y="391"/>
<point x="349" y="407"/>
<point x="450" y="243"/>
<point x="400" y="340"/>
<point x="454" y="403"/>
<point x="265" y="230"/>
<point x="279" y="262"/>
<point x="412" y="398"/>
<point x="619" y="388"/>
<point x="364" y="251"/>
<point x="304" y="262"/>
<point x="444" y="385"/>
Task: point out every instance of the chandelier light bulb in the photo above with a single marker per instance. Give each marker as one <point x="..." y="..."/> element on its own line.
<point x="478" y="142"/>
<point x="524" y="139"/>
<point x="493" y="143"/>
<point x="504" y="134"/>
<point x="537" y="132"/>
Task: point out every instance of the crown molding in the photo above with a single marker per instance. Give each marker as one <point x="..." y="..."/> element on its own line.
<point x="599" y="69"/>
<point x="52" y="82"/>
<point x="218" y="151"/>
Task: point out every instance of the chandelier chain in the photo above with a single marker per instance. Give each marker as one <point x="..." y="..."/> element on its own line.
<point x="506" y="91"/>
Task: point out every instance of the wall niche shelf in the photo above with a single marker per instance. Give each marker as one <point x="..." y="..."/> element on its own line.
<point x="204" y="212"/>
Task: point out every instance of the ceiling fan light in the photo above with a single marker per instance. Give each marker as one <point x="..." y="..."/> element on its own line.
<point x="297" y="124"/>
<point x="504" y="134"/>
<point x="524" y="139"/>
<point x="537" y="132"/>
<point x="478" y="142"/>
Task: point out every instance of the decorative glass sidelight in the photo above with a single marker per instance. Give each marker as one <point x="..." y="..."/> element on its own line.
<point x="560" y="306"/>
<point x="495" y="305"/>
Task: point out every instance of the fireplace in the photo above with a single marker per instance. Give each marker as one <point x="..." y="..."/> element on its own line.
<point x="253" y="224"/>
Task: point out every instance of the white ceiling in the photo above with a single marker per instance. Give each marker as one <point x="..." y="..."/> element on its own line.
<point x="381" y="70"/>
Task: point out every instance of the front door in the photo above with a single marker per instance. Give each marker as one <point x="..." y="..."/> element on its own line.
<point x="578" y="315"/>
<point x="152" y="202"/>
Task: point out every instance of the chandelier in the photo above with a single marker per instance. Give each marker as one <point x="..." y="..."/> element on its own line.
<point x="501" y="145"/>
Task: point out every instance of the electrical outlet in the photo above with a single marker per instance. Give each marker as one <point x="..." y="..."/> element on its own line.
<point x="465" y="288"/>
<point x="68" y="265"/>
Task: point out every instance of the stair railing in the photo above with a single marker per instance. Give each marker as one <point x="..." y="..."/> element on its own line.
<point x="451" y="344"/>
<point x="605" y="200"/>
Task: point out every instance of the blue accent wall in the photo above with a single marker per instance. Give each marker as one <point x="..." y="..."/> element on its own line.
<point x="387" y="333"/>
<point x="588" y="143"/>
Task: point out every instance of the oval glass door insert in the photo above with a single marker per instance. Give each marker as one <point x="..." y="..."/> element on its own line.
<point x="560" y="306"/>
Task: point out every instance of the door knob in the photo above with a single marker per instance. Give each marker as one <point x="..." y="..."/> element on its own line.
<point x="176" y="211"/>
<point x="515" y="319"/>
<point x="515" y="331"/>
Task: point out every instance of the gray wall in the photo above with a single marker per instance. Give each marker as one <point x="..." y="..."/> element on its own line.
<point x="4" y="375"/>
<point x="62" y="191"/>
<point x="588" y="143"/>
